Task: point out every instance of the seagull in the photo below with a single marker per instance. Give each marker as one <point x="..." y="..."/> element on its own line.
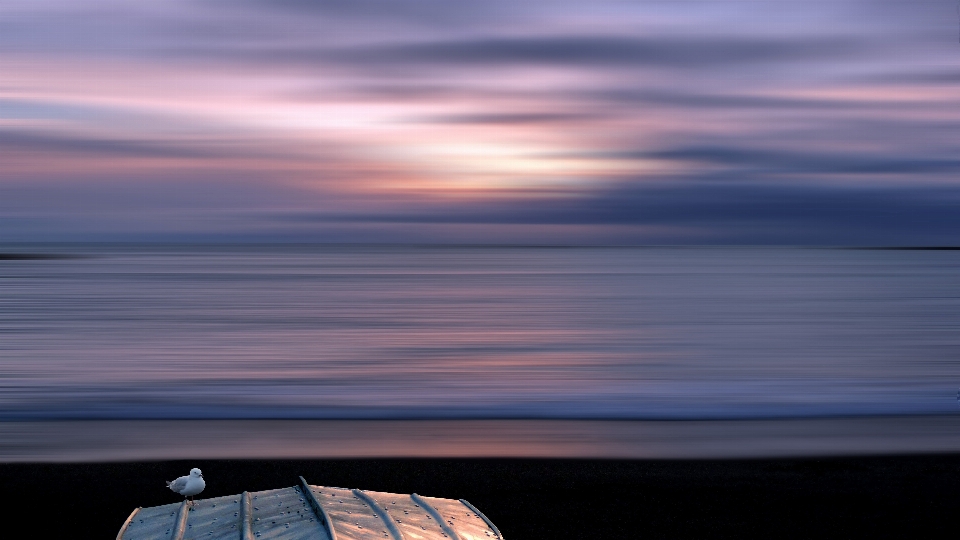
<point x="188" y="486"/>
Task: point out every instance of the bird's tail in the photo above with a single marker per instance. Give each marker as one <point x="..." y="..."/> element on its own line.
<point x="168" y="484"/>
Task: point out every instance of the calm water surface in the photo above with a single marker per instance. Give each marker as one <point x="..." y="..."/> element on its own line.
<point x="446" y="333"/>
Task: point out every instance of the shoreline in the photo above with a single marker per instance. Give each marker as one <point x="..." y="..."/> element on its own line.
<point x="850" y="497"/>
<point x="76" y="441"/>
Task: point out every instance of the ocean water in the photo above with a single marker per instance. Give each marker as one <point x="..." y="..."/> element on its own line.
<point x="352" y="332"/>
<point x="120" y="353"/>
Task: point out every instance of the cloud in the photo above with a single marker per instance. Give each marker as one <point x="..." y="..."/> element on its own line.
<point x="505" y="119"/>
<point x="741" y="213"/>
<point x="740" y="121"/>
<point x="699" y="100"/>
<point x="418" y="13"/>
<point x="52" y="143"/>
<point x="666" y="51"/>
<point x="808" y="162"/>
<point x="930" y="77"/>
<point x="400" y="51"/>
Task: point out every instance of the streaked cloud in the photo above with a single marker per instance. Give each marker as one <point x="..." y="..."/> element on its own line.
<point x="600" y="51"/>
<point x="643" y="122"/>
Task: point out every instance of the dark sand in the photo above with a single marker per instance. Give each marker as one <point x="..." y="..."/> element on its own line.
<point x="875" y="497"/>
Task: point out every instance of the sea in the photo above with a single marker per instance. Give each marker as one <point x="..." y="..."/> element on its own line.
<point x="113" y="351"/>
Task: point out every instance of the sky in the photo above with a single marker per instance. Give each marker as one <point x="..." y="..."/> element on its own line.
<point x="603" y="122"/>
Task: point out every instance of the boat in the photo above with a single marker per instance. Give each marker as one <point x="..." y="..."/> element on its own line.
<point x="307" y="511"/>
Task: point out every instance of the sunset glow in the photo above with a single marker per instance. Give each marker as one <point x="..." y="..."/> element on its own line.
<point x="240" y="116"/>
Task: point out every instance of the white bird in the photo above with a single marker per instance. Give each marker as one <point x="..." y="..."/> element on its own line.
<point x="188" y="486"/>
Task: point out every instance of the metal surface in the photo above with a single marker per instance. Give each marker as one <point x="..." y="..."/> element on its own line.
<point x="461" y="518"/>
<point x="489" y="523"/>
<point x="127" y="523"/>
<point x="445" y="525"/>
<point x="181" y="526"/>
<point x="350" y="517"/>
<point x="246" y="519"/>
<point x="311" y="512"/>
<point x="285" y="514"/>
<point x="381" y="512"/>
<point x="152" y="523"/>
<point x="317" y="508"/>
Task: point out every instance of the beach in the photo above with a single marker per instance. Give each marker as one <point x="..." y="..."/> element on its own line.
<point x="849" y="497"/>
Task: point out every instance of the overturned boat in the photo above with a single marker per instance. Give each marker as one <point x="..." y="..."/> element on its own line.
<point x="314" y="512"/>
